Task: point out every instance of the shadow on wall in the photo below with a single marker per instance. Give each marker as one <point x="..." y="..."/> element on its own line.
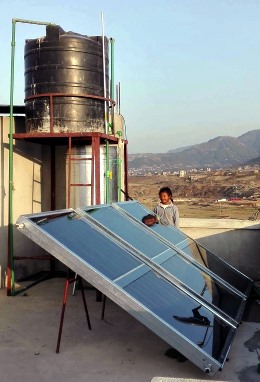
<point x="23" y="247"/>
<point x="31" y="193"/>
<point x="31" y="170"/>
<point x="3" y="189"/>
<point x="239" y="248"/>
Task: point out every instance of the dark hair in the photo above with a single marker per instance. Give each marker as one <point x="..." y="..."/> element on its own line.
<point x="151" y="218"/>
<point x="167" y="190"/>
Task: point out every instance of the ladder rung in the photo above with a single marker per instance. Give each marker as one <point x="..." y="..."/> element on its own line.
<point x="79" y="184"/>
<point x="81" y="158"/>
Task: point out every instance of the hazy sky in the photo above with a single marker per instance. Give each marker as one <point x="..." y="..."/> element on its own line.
<point x="189" y="69"/>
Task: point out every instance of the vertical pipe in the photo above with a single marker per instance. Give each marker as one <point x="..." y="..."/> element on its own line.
<point x="126" y="171"/>
<point x="10" y="271"/>
<point x="112" y="70"/>
<point x="96" y="147"/>
<point x="53" y="179"/>
<point x="112" y="85"/>
<point x="107" y="172"/>
<point x="112" y="96"/>
<point x="10" y="265"/>
<point x="119" y="175"/>
<point x="119" y="95"/>
<point x="117" y="99"/>
<point x="104" y="70"/>
<point x="69" y="175"/>
<point x="51" y="113"/>
<point x="92" y="187"/>
<point x="106" y="124"/>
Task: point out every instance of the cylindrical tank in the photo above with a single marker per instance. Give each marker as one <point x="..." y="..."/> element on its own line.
<point x="65" y="62"/>
<point x="80" y="176"/>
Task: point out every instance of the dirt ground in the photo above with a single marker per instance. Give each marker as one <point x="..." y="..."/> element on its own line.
<point x="201" y="197"/>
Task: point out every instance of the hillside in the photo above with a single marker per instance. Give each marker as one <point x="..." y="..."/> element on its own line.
<point x="198" y="197"/>
<point x="219" y="152"/>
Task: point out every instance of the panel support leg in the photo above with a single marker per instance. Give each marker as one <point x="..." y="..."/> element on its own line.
<point x="65" y="296"/>
<point x="103" y="307"/>
<point x="63" y="311"/>
<point x="84" y="301"/>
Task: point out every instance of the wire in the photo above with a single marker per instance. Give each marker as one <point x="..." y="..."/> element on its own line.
<point x="207" y="340"/>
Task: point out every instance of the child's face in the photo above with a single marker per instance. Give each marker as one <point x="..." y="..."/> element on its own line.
<point x="164" y="198"/>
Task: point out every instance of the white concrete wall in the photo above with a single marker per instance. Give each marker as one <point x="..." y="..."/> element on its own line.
<point x="31" y="190"/>
<point x="235" y="241"/>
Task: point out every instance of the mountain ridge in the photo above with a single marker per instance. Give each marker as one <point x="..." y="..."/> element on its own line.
<point x="218" y="152"/>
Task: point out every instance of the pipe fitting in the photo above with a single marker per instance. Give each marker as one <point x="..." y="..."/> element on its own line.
<point x="19" y="226"/>
<point x="208" y="368"/>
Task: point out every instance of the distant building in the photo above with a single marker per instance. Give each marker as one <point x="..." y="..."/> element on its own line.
<point x="182" y="173"/>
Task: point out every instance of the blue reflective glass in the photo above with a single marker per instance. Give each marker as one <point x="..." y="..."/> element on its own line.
<point x="90" y="245"/>
<point x="135" y="209"/>
<point x="203" y="285"/>
<point x="128" y="230"/>
<point x="194" y="250"/>
<point x="138" y="211"/>
<point x="149" y="245"/>
<point x="217" y="266"/>
<point x="182" y="313"/>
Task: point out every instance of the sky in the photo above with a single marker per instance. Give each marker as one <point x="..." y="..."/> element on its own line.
<point x="189" y="70"/>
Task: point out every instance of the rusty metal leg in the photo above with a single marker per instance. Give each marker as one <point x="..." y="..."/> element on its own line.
<point x="98" y="296"/>
<point x="84" y="301"/>
<point x="103" y="307"/>
<point x="63" y="311"/>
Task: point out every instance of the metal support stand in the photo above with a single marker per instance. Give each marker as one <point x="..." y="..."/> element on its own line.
<point x="98" y="293"/>
<point x="69" y="281"/>
<point x="74" y="285"/>
<point x="103" y="307"/>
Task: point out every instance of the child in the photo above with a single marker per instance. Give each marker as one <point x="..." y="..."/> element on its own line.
<point x="166" y="212"/>
<point x="150" y="220"/>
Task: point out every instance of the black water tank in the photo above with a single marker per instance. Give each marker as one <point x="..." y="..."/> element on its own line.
<point x="65" y="62"/>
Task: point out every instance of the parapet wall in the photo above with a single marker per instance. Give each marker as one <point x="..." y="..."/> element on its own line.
<point x="235" y="241"/>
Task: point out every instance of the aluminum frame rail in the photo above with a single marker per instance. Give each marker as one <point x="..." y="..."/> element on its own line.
<point x="133" y="270"/>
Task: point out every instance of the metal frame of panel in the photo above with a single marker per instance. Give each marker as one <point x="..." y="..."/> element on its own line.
<point x="181" y="245"/>
<point x="167" y="275"/>
<point x="28" y="225"/>
<point x="213" y="276"/>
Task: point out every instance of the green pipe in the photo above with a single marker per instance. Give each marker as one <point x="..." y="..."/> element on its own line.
<point x="107" y="172"/>
<point x="32" y="22"/>
<point x="119" y="173"/>
<point x="112" y="86"/>
<point x="11" y="284"/>
<point x="112" y="96"/>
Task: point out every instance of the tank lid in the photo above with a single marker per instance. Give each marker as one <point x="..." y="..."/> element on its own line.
<point x="53" y="32"/>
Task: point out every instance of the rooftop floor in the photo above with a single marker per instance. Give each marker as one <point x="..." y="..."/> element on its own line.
<point x="118" y="348"/>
